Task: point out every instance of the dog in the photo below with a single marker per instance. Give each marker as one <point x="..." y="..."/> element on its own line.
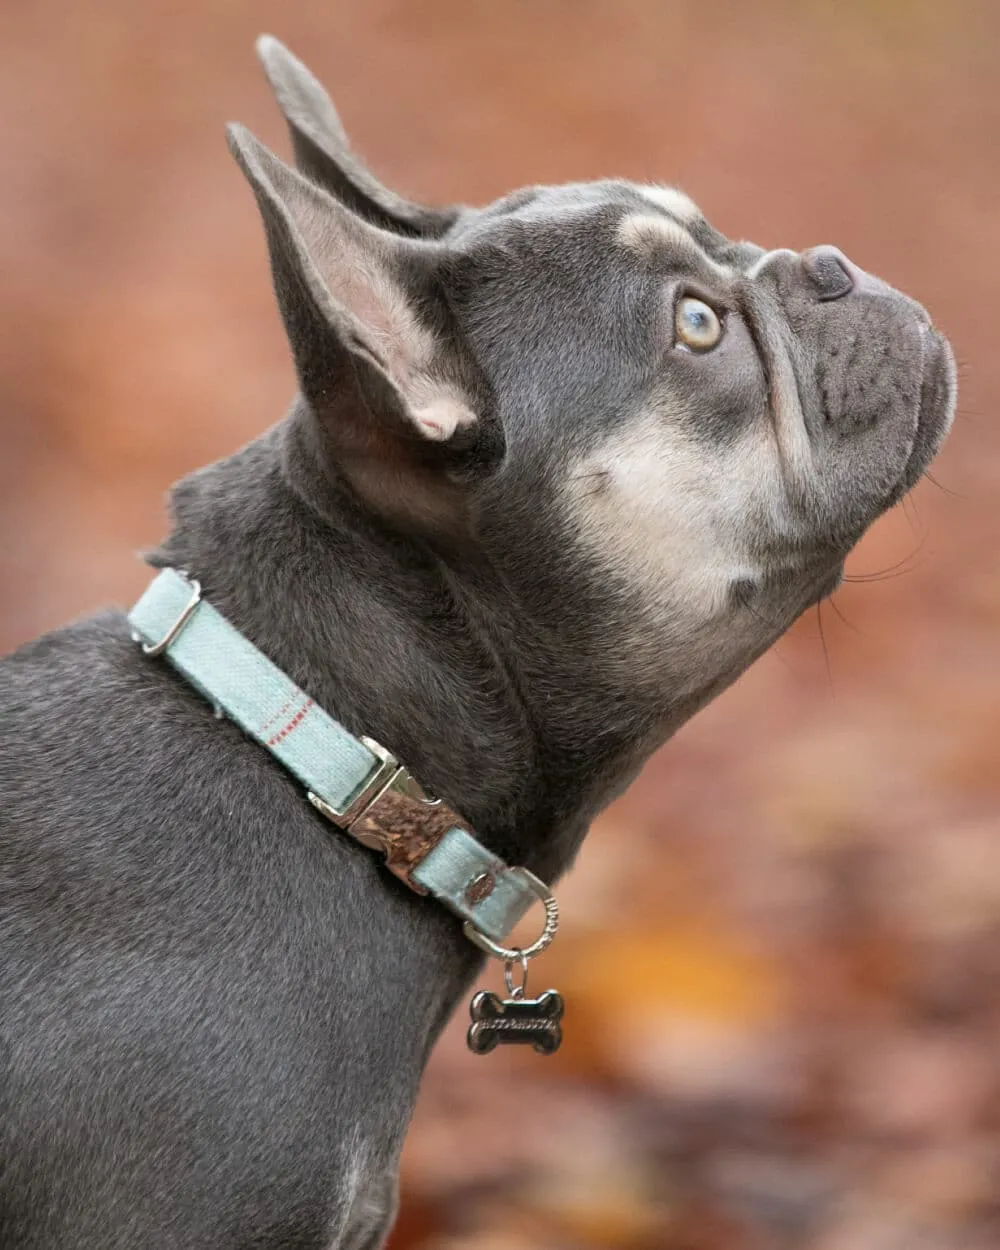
<point x="558" y="471"/>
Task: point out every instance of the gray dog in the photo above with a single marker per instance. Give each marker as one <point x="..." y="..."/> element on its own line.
<point x="559" y="470"/>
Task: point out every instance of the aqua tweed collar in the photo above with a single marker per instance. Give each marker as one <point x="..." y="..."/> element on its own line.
<point x="355" y="782"/>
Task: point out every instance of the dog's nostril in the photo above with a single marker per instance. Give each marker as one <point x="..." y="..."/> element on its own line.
<point x="830" y="272"/>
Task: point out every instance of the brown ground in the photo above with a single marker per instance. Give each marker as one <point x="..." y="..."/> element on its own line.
<point x="782" y="948"/>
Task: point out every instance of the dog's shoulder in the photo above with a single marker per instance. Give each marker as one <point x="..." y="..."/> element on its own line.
<point x="59" y="662"/>
<point x="51" y="687"/>
<point x="68" y="696"/>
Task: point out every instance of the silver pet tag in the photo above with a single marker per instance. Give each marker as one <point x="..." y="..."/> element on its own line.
<point x="517" y="1020"/>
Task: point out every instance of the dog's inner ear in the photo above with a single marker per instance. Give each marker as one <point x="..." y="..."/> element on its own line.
<point x="323" y="152"/>
<point x="392" y="396"/>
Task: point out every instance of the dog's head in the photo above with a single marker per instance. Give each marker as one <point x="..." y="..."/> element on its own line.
<point x="671" y="439"/>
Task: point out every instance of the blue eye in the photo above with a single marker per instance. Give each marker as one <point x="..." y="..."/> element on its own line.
<point x="696" y="325"/>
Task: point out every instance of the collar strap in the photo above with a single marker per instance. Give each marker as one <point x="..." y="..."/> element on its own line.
<point x="355" y="782"/>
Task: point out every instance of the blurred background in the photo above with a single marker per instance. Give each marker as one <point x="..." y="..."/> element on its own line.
<point x="781" y="949"/>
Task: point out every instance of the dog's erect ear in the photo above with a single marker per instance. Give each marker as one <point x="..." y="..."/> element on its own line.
<point x="359" y="305"/>
<point x="323" y="153"/>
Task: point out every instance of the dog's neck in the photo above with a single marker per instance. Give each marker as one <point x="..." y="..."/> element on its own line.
<point x="439" y="660"/>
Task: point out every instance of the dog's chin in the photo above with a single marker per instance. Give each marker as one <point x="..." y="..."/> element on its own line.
<point x="937" y="408"/>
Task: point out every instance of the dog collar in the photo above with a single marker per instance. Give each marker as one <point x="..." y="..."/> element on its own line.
<point x="355" y="782"/>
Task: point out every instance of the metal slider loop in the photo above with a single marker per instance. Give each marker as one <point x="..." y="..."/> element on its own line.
<point x="153" y="649"/>
<point x="514" y="954"/>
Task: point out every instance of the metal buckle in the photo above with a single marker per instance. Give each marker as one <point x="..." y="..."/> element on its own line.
<point x="153" y="649"/>
<point x="515" y="954"/>
<point x="382" y="776"/>
<point x="392" y="814"/>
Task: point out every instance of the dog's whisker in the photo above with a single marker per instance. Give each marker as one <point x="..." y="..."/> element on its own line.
<point x="893" y="570"/>
<point x="826" y="649"/>
<point x="850" y="624"/>
<point x="947" y="490"/>
<point x="912" y="514"/>
<point x="882" y="577"/>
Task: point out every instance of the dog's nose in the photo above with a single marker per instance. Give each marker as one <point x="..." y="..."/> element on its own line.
<point x="830" y="272"/>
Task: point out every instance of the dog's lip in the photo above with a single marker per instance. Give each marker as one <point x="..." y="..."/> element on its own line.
<point x="937" y="403"/>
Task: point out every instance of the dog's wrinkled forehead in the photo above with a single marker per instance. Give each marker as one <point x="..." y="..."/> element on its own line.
<point x="603" y="212"/>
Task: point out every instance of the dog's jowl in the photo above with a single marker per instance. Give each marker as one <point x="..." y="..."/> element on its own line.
<point x="558" y="470"/>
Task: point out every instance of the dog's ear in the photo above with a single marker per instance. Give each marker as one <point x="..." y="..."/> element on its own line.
<point x="367" y="324"/>
<point x="323" y="153"/>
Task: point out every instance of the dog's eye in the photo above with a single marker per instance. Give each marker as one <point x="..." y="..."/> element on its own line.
<point x="697" y="326"/>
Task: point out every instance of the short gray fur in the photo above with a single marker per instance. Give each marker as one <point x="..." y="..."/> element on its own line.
<point x="215" y="1009"/>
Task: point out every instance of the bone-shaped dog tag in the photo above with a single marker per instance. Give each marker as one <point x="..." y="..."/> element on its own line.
<point x="516" y="1021"/>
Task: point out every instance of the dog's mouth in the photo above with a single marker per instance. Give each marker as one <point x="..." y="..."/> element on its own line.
<point x="937" y="407"/>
